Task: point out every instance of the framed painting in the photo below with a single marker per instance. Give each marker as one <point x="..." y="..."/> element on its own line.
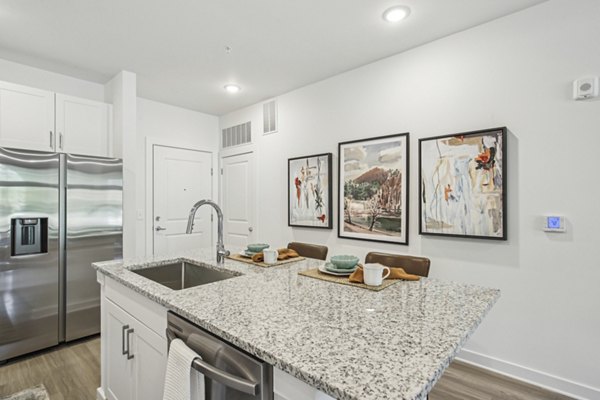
<point x="463" y="184"/>
<point x="309" y="191"/>
<point x="373" y="189"/>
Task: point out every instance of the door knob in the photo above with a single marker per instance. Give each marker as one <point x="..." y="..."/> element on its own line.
<point x="160" y="228"/>
<point x="250" y="229"/>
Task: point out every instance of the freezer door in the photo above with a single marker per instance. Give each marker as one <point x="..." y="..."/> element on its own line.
<point x="94" y="191"/>
<point x="29" y="283"/>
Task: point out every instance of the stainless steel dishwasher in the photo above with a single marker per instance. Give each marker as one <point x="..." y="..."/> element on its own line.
<point x="229" y="373"/>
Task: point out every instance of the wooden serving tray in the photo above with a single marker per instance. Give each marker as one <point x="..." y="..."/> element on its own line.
<point x="343" y="280"/>
<point x="238" y="257"/>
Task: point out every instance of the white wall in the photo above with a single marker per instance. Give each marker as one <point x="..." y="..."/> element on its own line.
<point x="173" y="126"/>
<point x="42" y="79"/>
<point x="517" y="72"/>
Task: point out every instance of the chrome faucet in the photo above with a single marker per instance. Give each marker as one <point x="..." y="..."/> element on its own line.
<point x="221" y="252"/>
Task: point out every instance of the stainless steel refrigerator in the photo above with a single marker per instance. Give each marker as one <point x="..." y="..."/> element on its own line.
<point x="58" y="214"/>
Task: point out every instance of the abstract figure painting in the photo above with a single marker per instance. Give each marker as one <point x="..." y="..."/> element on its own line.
<point x="309" y="191"/>
<point x="373" y="200"/>
<point x="463" y="184"/>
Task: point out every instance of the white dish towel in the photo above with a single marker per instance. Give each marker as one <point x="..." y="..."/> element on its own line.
<point x="182" y="382"/>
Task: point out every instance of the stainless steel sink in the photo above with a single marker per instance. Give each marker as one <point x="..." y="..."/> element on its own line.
<point x="183" y="275"/>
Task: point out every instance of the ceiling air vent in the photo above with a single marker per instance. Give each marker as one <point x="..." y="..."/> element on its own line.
<point x="270" y="117"/>
<point x="237" y="135"/>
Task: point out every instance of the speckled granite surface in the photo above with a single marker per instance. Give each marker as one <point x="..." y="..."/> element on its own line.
<point x="348" y="342"/>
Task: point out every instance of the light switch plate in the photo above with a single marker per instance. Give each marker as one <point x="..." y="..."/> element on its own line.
<point x="554" y="223"/>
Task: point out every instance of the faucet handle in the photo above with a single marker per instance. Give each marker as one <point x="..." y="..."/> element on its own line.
<point x="224" y="253"/>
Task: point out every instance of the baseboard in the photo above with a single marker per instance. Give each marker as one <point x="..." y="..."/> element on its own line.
<point x="538" y="378"/>
<point x="100" y="394"/>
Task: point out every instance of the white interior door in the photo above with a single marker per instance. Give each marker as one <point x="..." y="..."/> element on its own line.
<point x="181" y="178"/>
<point x="238" y="199"/>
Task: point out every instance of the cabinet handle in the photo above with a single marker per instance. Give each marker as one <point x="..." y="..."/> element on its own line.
<point x="51" y="140"/>
<point x="125" y="327"/>
<point x="60" y="140"/>
<point x="129" y="355"/>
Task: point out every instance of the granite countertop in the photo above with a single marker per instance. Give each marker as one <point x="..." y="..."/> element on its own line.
<point x="348" y="342"/>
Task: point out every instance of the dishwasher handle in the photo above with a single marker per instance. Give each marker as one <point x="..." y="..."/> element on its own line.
<point x="214" y="373"/>
<point x="227" y="379"/>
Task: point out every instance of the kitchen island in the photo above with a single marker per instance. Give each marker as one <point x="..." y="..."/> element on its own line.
<point x="349" y="343"/>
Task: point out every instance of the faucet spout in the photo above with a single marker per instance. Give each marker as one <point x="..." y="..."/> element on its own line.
<point x="221" y="252"/>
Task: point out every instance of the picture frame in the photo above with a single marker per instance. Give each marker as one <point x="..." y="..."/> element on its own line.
<point x="373" y="191"/>
<point x="310" y="191"/>
<point x="463" y="185"/>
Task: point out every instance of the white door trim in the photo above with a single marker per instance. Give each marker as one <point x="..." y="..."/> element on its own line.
<point x="238" y="151"/>
<point x="149" y="179"/>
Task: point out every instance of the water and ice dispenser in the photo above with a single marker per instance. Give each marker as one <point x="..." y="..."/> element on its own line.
<point x="29" y="236"/>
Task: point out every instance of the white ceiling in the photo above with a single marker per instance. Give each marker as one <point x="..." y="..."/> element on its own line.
<point x="176" y="47"/>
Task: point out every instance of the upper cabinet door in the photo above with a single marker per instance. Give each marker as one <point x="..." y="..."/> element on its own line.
<point x="26" y="117"/>
<point x="83" y="126"/>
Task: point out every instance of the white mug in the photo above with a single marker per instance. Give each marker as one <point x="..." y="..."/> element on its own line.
<point x="270" y="256"/>
<point x="373" y="274"/>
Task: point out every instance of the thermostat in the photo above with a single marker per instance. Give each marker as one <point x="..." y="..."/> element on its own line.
<point x="554" y="224"/>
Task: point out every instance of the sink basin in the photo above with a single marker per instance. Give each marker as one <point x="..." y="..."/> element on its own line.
<point x="182" y="275"/>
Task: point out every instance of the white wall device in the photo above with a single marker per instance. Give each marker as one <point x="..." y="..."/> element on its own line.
<point x="585" y="88"/>
<point x="553" y="223"/>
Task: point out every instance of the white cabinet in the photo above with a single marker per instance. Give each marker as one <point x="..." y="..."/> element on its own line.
<point x="26" y="117"/>
<point x="134" y="346"/>
<point x="287" y="387"/>
<point x="150" y="363"/>
<point x="35" y="119"/>
<point x="118" y="386"/>
<point x="82" y="126"/>
<point x="136" y="357"/>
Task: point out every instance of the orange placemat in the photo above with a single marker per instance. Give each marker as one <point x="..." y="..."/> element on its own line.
<point x="238" y="257"/>
<point x="343" y="280"/>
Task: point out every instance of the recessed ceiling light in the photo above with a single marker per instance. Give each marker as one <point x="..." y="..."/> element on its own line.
<point x="396" y="13"/>
<point x="232" y="88"/>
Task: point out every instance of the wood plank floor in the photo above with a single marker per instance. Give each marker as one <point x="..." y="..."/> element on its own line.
<point x="72" y="372"/>
<point x="69" y="372"/>
<point x="466" y="382"/>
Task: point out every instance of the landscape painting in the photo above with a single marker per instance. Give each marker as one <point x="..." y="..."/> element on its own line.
<point x="373" y="194"/>
<point x="463" y="184"/>
<point x="309" y="191"/>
